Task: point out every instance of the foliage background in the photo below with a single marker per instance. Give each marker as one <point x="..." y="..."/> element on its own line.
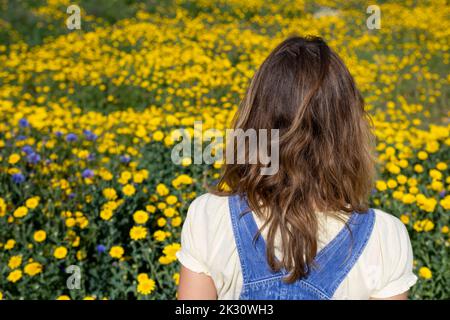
<point x="87" y="116"/>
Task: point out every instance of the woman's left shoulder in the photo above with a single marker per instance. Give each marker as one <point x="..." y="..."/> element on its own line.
<point x="389" y="226"/>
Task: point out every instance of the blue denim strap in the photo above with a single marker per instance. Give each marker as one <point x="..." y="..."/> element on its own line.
<point x="335" y="260"/>
<point x="331" y="264"/>
<point x="252" y="252"/>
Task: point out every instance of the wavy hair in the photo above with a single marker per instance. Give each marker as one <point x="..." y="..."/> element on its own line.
<point x="304" y="90"/>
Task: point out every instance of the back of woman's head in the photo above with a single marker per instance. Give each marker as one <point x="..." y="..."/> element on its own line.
<point x="304" y="90"/>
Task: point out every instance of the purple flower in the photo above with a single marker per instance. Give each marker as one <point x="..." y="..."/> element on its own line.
<point x="21" y="137"/>
<point x="18" y="178"/>
<point x="71" y="137"/>
<point x="58" y="134"/>
<point x="33" y="158"/>
<point x="87" y="173"/>
<point x="91" y="157"/>
<point x="443" y="193"/>
<point x="125" y="159"/>
<point x="24" y="123"/>
<point x="27" y="149"/>
<point x="101" y="248"/>
<point x="72" y="195"/>
<point x="89" y="135"/>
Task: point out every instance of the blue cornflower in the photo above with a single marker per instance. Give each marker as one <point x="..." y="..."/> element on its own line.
<point x="89" y="135"/>
<point x="71" y="137"/>
<point x="87" y="173"/>
<point x="101" y="248"/>
<point x="24" y="123"/>
<point x="33" y="158"/>
<point x="125" y="159"/>
<point x="27" y="149"/>
<point x="18" y="178"/>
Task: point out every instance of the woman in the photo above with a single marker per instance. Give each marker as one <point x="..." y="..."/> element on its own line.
<point x="305" y="232"/>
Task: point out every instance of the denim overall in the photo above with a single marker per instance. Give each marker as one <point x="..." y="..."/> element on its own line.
<point x="331" y="266"/>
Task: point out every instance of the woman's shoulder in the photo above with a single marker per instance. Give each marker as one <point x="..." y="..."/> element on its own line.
<point x="206" y="234"/>
<point x="207" y="206"/>
<point x="388" y="259"/>
<point x="388" y="223"/>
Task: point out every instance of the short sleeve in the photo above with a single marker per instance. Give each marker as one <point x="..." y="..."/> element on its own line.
<point x="397" y="259"/>
<point x="194" y="238"/>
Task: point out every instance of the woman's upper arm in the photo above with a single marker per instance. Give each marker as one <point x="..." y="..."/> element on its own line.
<point x="195" y="281"/>
<point x="402" y="296"/>
<point x="396" y="266"/>
<point x="195" y="286"/>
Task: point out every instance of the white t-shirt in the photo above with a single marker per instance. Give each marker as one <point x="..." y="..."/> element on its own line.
<point x="383" y="270"/>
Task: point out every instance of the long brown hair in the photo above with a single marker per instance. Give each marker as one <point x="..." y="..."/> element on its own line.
<point x="304" y="90"/>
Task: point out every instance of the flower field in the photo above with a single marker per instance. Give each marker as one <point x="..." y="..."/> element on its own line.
<point x="87" y="119"/>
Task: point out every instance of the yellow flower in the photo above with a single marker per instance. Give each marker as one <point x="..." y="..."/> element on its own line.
<point x="33" y="268"/>
<point x="425" y="273"/>
<point x="14" y="276"/>
<point x="162" y="190"/>
<point x="138" y="177"/>
<point x="445" y="229"/>
<point x="441" y="166"/>
<point x="116" y="252"/>
<point x="106" y="214"/>
<point x="159" y="235"/>
<point x="401" y="179"/>
<point x="445" y="203"/>
<point x="10" y="244"/>
<point x="391" y="183"/>
<point x="428" y="225"/>
<point x="432" y="146"/>
<point x="2" y="207"/>
<point x="422" y="155"/>
<point x="408" y="198"/>
<point x="418" y="168"/>
<point x="70" y="222"/>
<point x="150" y="208"/>
<point x="169" y="212"/>
<point x="128" y="190"/>
<point x="13" y="158"/>
<point x="14" y="262"/>
<point x="161" y="222"/>
<point x="171" y="200"/>
<point x="138" y="233"/>
<point x="404" y="218"/>
<point x="381" y="185"/>
<point x="40" y="236"/>
<point x="140" y="217"/>
<point x="81" y="255"/>
<point x="176" y="278"/>
<point x="146" y="287"/>
<point x="32" y="202"/>
<point x="429" y="205"/>
<point x="63" y="297"/>
<point x="176" y="221"/>
<point x="423" y="225"/>
<point x="435" y="174"/>
<point x="186" y="162"/>
<point x="20" y="212"/>
<point x="158" y="135"/>
<point x="142" y="277"/>
<point x="169" y="252"/>
<point x="60" y="253"/>
<point x="125" y="177"/>
<point x="110" y="193"/>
